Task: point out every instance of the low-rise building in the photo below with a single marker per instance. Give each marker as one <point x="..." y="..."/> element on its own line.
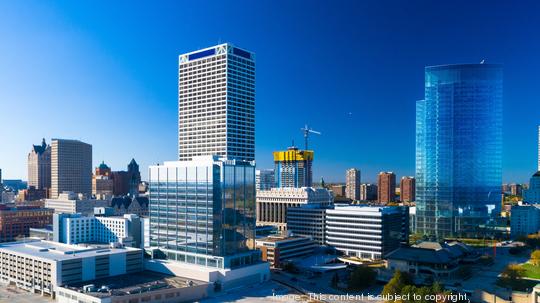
<point x="524" y="220"/>
<point x="308" y="221"/>
<point x="71" y="203"/>
<point x="137" y="205"/>
<point x="367" y="232"/>
<point x="278" y="249"/>
<point x="272" y="205"/>
<point x="76" y="228"/>
<point x="430" y="261"/>
<point x="16" y="222"/>
<point x="41" y="266"/>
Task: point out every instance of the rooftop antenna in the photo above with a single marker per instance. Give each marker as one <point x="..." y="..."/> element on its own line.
<point x="307" y="130"/>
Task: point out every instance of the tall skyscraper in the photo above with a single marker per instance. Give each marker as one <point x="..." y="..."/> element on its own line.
<point x="213" y="201"/>
<point x="352" y="183"/>
<point x="216" y="102"/>
<point x="368" y="192"/>
<point x="71" y="167"/>
<point x="39" y="166"/>
<point x="458" y="148"/>
<point x="293" y="167"/>
<point x="386" y="187"/>
<point x="407" y="188"/>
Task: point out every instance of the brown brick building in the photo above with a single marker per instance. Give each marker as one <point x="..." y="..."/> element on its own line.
<point x="16" y="221"/>
<point x="386" y="187"/>
<point x="407" y="188"/>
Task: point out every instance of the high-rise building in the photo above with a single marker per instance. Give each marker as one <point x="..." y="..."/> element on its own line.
<point x="458" y="149"/>
<point x="213" y="200"/>
<point x="216" y="102"/>
<point x="339" y="190"/>
<point x="71" y="167"/>
<point x="352" y="181"/>
<point x="102" y="182"/>
<point x="368" y="192"/>
<point x="531" y="195"/>
<point x="524" y="220"/>
<point x="127" y="182"/>
<point x="39" y="166"/>
<point x="386" y="188"/>
<point x="264" y="179"/>
<point x="516" y="189"/>
<point x="407" y="187"/>
<point x="293" y="167"/>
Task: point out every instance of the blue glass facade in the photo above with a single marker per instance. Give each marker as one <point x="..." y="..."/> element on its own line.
<point x="458" y="149"/>
<point x="203" y="212"/>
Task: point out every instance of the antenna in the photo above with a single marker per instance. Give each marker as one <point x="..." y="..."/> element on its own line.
<point x="308" y="131"/>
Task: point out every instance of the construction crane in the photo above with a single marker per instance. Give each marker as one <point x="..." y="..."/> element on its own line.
<point x="308" y="131"/>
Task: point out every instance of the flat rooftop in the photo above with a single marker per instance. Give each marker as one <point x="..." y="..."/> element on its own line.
<point x="48" y="250"/>
<point x="274" y="239"/>
<point x="140" y="282"/>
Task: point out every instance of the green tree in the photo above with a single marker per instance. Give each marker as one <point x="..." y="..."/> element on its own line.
<point x="535" y="257"/>
<point x="511" y="276"/>
<point x="396" y="284"/>
<point x="362" y="277"/>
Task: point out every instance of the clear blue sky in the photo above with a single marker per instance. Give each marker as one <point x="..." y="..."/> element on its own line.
<point x="106" y="73"/>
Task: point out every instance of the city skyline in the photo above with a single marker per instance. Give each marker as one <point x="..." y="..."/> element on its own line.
<point x="140" y="96"/>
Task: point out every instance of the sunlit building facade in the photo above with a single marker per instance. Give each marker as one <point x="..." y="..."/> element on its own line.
<point x="458" y="149"/>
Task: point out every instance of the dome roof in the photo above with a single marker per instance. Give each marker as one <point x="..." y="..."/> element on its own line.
<point x="103" y="165"/>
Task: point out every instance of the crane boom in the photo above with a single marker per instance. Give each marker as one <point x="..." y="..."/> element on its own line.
<point x="307" y="131"/>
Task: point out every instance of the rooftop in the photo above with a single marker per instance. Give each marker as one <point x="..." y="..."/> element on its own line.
<point x="274" y="239"/>
<point x="48" y="250"/>
<point x="141" y="282"/>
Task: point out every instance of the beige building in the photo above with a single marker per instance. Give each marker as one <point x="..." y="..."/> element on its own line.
<point x="71" y="203"/>
<point x="272" y="204"/>
<point x="71" y="167"/>
<point x="39" y="167"/>
<point x="352" y="181"/>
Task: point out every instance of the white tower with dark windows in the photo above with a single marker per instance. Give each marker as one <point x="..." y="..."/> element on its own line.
<point x="216" y="103"/>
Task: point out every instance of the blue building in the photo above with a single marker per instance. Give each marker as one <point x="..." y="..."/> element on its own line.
<point x="459" y="149"/>
<point x="532" y="194"/>
<point x="203" y="212"/>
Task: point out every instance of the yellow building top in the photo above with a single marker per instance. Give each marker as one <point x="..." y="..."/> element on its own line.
<point x="293" y="155"/>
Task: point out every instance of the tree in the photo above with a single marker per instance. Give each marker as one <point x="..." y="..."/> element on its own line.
<point x="511" y="276"/>
<point x="535" y="257"/>
<point x="362" y="277"/>
<point x="396" y="284"/>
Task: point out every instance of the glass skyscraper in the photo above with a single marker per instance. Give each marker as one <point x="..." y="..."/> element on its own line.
<point x="459" y="149"/>
<point x="203" y="211"/>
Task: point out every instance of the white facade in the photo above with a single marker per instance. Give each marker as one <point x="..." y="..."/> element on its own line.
<point x="352" y="178"/>
<point x="367" y="232"/>
<point x="40" y="266"/>
<point x="71" y="203"/>
<point x="75" y="229"/>
<point x="216" y="101"/>
<point x="272" y="204"/>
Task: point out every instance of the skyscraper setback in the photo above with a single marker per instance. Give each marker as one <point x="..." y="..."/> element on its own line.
<point x="71" y="167"/>
<point x="458" y="148"/>
<point x="216" y="102"/>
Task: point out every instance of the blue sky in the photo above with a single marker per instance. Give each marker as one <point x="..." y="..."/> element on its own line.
<point x="106" y="73"/>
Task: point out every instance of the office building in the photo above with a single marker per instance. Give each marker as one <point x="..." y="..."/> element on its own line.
<point x="293" y="167"/>
<point x="39" y="167"/>
<point x="308" y="220"/>
<point x="532" y="194"/>
<point x="39" y="266"/>
<point x="32" y="194"/>
<point x="102" y="182"/>
<point x="459" y="149"/>
<point x="76" y="228"/>
<point x="407" y="187"/>
<point x="367" y="232"/>
<point x="15" y="222"/>
<point x="386" y="188"/>
<point x="352" y="181"/>
<point x="273" y="204"/>
<point x="216" y="101"/>
<point x="339" y="190"/>
<point x="277" y="250"/>
<point x="71" y="167"/>
<point x="264" y="179"/>
<point x="71" y="203"/>
<point x="137" y="205"/>
<point x="126" y="182"/>
<point x="524" y="220"/>
<point x="368" y="192"/>
<point x="213" y="200"/>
